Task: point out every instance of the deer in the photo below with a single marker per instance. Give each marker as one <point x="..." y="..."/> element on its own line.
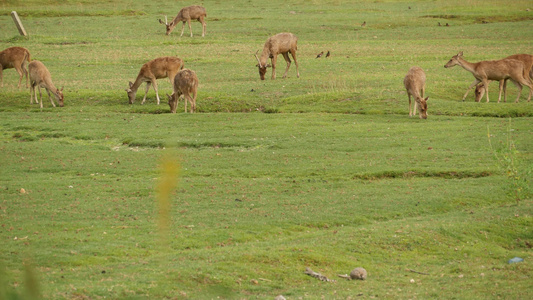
<point x="41" y="77"/>
<point x="281" y="43"/>
<point x="185" y="84"/>
<point x="15" y="57"/>
<point x="484" y="71"/>
<point x="415" y="84"/>
<point x="187" y="14"/>
<point x="161" y="67"/>
<point x="528" y="62"/>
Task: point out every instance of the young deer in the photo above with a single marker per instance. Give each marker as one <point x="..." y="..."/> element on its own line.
<point x="41" y="77"/>
<point x="415" y="84"/>
<point x="15" y="57"/>
<point x="502" y="69"/>
<point x="158" y="68"/>
<point x="281" y="43"/>
<point x="528" y="62"/>
<point x="187" y="14"/>
<point x="186" y="84"/>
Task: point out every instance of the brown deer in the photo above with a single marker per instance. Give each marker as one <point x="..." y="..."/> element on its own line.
<point x="528" y="62"/>
<point x="415" y="84"/>
<point x="41" y="77"/>
<point x="186" y="84"/>
<point x="281" y="43"/>
<point x="187" y="14"/>
<point x="484" y="71"/>
<point x="161" y="67"/>
<point x="15" y="57"/>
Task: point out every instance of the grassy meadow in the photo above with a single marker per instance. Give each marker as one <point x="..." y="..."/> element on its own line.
<point x="103" y="199"/>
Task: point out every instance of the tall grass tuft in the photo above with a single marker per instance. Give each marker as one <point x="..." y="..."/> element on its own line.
<point x="507" y="158"/>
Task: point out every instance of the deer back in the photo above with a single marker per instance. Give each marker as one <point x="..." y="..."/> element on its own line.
<point x="162" y="67"/>
<point x="191" y="13"/>
<point x="14" y="56"/>
<point x="414" y="81"/>
<point x="282" y="43"/>
<point x="185" y="81"/>
<point x="499" y="69"/>
<point x="527" y="60"/>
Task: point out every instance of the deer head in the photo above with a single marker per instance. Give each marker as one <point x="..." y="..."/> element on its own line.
<point x="131" y="93"/>
<point x="454" y="60"/>
<point x="173" y="102"/>
<point x="262" y="69"/>
<point x="423" y="107"/>
<point x="169" y="27"/>
<point x="60" y="97"/>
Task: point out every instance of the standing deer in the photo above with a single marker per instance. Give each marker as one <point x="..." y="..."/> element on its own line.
<point x="281" y="43"/>
<point x="484" y="71"/>
<point x="186" y="84"/>
<point x="162" y="67"/>
<point x="528" y="62"/>
<point x="187" y="14"/>
<point x="415" y="84"/>
<point x="41" y="77"/>
<point x="15" y="57"/>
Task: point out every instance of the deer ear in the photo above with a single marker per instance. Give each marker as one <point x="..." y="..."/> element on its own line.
<point x="62" y="88"/>
<point x="460" y="53"/>
<point x="131" y="84"/>
<point x="427" y="98"/>
<point x="161" y="21"/>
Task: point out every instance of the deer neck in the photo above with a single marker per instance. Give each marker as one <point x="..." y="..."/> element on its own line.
<point x="471" y="67"/>
<point x="264" y="56"/>
<point x="137" y="83"/>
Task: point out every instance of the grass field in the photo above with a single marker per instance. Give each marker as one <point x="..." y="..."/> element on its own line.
<point x="325" y="171"/>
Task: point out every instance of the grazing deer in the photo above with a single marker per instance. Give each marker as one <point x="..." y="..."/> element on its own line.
<point x="162" y="67"/>
<point x="415" y="84"/>
<point x="484" y="71"/>
<point x="41" y="77"/>
<point x="15" y="57"/>
<point x="186" y="84"/>
<point x="187" y="14"/>
<point x="281" y="43"/>
<point x="528" y="62"/>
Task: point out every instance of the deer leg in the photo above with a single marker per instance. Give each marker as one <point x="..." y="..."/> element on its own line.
<point x="21" y="74"/>
<point x="194" y="100"/>
<point x="415" y="106"/>
<point x="293" y="53"/>
<point x="148" y="83"/>
<point x="471" y="86"/>
<point x="32" y="91"/>
<point x="288" y="60"/>
<point x="189" y="23"/>
<point x="1" y="77"/>
<point x="203" y="26"/>
<point x="273" y="61"/>
<point x="182" y="28"/>
<point x="409" y="96"/>
<point x="503" y="86"/>
<point x="40" y="95"/>
<point x="154" y="83"/>
<point x="50" y="98"/>
<point x="486" y="84"/>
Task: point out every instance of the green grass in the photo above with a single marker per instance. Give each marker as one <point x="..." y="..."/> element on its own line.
<point x="325" y="171"/>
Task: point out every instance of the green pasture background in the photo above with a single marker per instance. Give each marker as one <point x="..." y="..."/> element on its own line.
<point x="325" y="171"/>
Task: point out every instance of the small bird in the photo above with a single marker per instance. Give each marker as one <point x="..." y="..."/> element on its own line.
<point x="364" y="24"/>
<point x="447" y="25"/>
<point x="319" y="55"/>
<point x="409" y="7"/>
<point x="439" y="24"/>
<point x="328" y="54"/>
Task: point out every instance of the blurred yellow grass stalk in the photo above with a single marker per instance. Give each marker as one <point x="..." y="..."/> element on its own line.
<point x="168" y="181"/>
